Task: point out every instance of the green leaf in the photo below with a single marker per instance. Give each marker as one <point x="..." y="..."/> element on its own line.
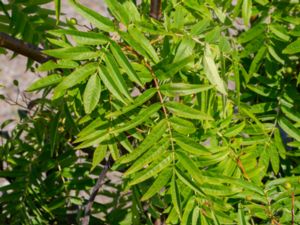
<point x="92" y="126"/>
<point x="148" y="94"/>
<point x="187" y="211"/>
<point x="220" y="190"/>
<point x="263" y="91"/>
<point x="247" y="11"/>
<point x="274" y="54"/>
<point x="241" y="217"/>
<point x="76" y="77"/>
<point x="185" y="111"/>
<point x="211" y="71"/>
<point x="274" y="157"/>
<point x="113" y="148"/>
<point x="73" y="53"/>
<point x="189" y="165"/>
<point x="279" y="31"/>
<point x="279" y="144"/>
<point x="58" y="64"/>
<point x="135" y="44"/>
<point x="289" y="128"/>
<point x="118" y="11"/>
<point x="257" y="61"/>
<point x="252" y="33"/>
<point x="175" y="196"/>
<point x="53" y="131"/>
<point x="263" y="107"/>
<point x="57" y="10"/>
<point x="59" y="42"/>
<point x="132" y="10"/>
<point x="200" y="26"/>
<point x="151" y="155"/>
<point x="182" y="126"/>
<point x="124" y="63"/>
<point x="291" y="113"/>
<point x="44" y="82"/>
<point x="152" y="170"/>
<point x="110" y="84"/>
<point x="140" y="118"/>
<point x="188" y="145"/>
<point x="188" y="182"/>
<point x="144" y="43"/>
<point x="82" y="38"/>
<point x="98" y="156"/>
<point x="235" y="130"/>
<point x="292" y="48"/>
<point x="161" y="181"/>
<point x="91" y="94"/>
<point x="95" y="18"/>
<point x="157" y="131"/>
<point x="100" y="131"/>
<point x="116" y="75"/>
<point x="94" y="141"/>
<point x="184" y="50"/>
<point x="195" y="216"/>
<point x="280" y="181"/>
<point x="181" y="89"/>
<point x="169" y="70"/>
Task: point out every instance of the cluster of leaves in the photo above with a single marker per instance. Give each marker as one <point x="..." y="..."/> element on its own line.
<point x="29" y="21"/>
<point x="198" y="110"/>
<point x="46" y="187"/>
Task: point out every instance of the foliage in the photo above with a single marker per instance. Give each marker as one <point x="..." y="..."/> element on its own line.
<point x="199" y="111"/>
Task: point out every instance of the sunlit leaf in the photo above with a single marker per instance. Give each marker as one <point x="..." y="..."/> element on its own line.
<point x="152" y="170"/>
<point x="95" y="18"/>
<point x="181" y="89"/>
<point x="139" y="118"/>
<point x="292" y="48"/>
<point x="161" y="180"/>
<point x="157" y="131"/>
<point x="91" y="93"/>
<point x="76" y="77"/>
<point x="98" y="156"/>
<point x="185" y="111"/>
<point x="211" y="71"/>
<point x="45" y="82"/>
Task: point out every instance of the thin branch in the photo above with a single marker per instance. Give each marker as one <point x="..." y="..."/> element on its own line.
<point x="23" y="48"/>
<point x="87" y="211"/>
<point x="242" y="168"/>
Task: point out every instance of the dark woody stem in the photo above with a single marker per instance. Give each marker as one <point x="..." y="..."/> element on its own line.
<point x="23" y="48"/>
<point x="155" y="10"/>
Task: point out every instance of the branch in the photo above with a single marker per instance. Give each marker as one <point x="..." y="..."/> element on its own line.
<point x="23" y="48"/>
<point x="155" y="10"/>
<point x="87" y="211"/>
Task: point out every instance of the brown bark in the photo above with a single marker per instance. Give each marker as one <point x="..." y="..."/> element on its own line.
<point x="28" y="50"/>
<point x="87" y="211"/>
<point x="155" y="10"/>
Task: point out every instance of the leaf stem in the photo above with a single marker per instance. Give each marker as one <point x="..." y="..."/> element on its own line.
<point x="164" y="109"/>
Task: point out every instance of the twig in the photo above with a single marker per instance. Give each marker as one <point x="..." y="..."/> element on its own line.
<point x="240" y="165"/>
<point x="87" y="211"/>
<point x="23" y="48"/>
